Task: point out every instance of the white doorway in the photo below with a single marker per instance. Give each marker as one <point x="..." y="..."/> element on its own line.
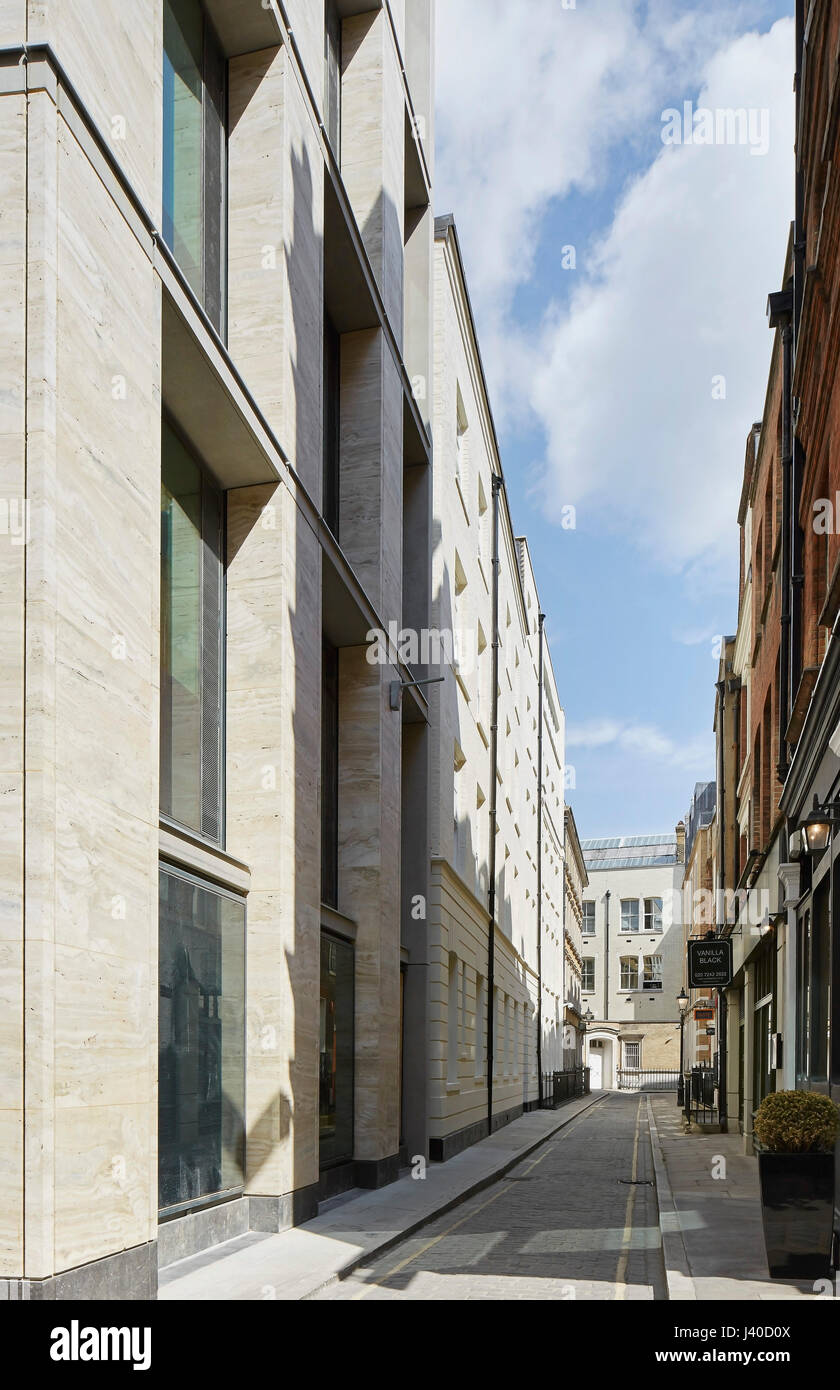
<point x="596" y="1069"/>
<point x="600" y="1058"/>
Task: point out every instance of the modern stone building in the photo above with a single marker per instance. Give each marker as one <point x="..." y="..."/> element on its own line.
<point x="633" y="955"/>
<point x="496" y="894"/>
<point x="215" y="441"/>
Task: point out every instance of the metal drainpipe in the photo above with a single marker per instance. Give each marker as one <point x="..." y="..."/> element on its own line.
<point x="606" y="955"/>
<point x="541" y="623"/>
<point x="494" y="752"/>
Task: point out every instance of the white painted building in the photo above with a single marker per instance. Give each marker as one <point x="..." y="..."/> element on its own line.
<point x="486" y="982"/>
<point x="632" y="955"/>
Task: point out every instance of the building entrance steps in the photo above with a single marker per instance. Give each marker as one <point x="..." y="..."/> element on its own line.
<point x="296" y="1263"/>
<point x="710" y="1214"/>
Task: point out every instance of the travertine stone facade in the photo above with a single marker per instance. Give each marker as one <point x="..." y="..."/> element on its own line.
<point x="467" y="481"/>
<point x="101" y="334"/>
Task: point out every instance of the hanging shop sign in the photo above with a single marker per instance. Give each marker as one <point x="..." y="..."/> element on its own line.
<point x="709" y="964"/>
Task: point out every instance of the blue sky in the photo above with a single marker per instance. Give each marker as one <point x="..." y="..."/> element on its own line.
<point x="606" y="379"/>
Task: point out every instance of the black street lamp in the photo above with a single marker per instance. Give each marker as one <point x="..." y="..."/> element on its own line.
<point x="683" y="1005"/>
<point x="815" y="830"/>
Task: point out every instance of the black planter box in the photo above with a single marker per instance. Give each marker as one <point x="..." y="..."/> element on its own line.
<point x="797" y="1208"/>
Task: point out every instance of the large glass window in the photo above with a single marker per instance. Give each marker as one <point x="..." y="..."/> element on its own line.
<point x="201" y="1041"/>
<point x="587" y="979"/>
<point x="630" y="914"/>
<point x="332" y="425"/>
<point x="329" y="774"/>
<point x="332" y="75"/>
<point x="191" y="637"/>
<point x="336" y="1051"/>
<point x="195" y="151"/>
<point x="588" y="923"/>
<point x="820" y="963"/>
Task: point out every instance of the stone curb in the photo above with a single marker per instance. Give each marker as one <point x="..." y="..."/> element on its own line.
<point x="681" y="1286"/>
<point x="388" y="1242"/>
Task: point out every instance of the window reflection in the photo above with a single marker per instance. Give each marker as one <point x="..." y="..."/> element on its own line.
<point x="336" y="1051"/>
<point x="195" y="152"/>
<point x="201" y="1062"/>
<point x="191" y="642"/>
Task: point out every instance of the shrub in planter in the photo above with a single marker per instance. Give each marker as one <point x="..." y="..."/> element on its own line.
<point x="796" y="1131"/>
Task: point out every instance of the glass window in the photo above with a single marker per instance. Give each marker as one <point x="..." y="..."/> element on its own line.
<point x="629" y="972"/>
<point x="195" y="151"/>
<point x="632" y="1055"/>
<point x="480" y="1006"/>
<point x="332" y="75"/>
<point x="653" y="972"/>
<point x="803" y="979"/>
<point x="191" y="642"/>
<point x="653" y="914"/>
<point x="336" y="1051"/>
<point x="330" y="505"/>
<point x="588" y="923"/>
<point x="201" y="1040"/>
<point x="329" y="774"/>
<point x="629" y="914"/>
<point x="818" y="994"/>
<point x="587" y="979"/>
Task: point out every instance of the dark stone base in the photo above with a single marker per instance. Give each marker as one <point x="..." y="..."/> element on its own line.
<point x="334" y="1181"/>
<point x="129" y="1276"/>
<point x="282" y="1213"/>
<point x="365" y="1173"/>
<point x="378" y="1172"/>
<point x="442" y="1149"/>
<point x="183" y="1236"/>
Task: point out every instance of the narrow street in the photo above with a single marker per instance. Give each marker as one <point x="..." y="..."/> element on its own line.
<point x="577" y="1219"/>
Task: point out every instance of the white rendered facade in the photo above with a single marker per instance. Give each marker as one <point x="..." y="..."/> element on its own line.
<point x="466" y="463"/>
<point x="633" y="959"/>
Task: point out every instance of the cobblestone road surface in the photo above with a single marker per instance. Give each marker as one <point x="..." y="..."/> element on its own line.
<point x="566" y="1223"/>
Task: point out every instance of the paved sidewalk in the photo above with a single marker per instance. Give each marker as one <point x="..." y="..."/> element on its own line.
<point x="299" y="1262"/>
<point x="712" y="1240"/>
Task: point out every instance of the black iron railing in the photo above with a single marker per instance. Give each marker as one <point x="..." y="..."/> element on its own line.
<point x="631" y="1079"/>
<point x="559" y="1086"/>
<point x="701" y="1099"/>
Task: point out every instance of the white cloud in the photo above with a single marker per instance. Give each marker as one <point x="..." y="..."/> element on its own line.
<point x="645" y="741"/>
<point x="620" y="376"/>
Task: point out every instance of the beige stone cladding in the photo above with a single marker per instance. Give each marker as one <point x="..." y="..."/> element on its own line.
<point x="102" y="334"/>
<point x="80" y="849"/>
<point x="467" y="477"/>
